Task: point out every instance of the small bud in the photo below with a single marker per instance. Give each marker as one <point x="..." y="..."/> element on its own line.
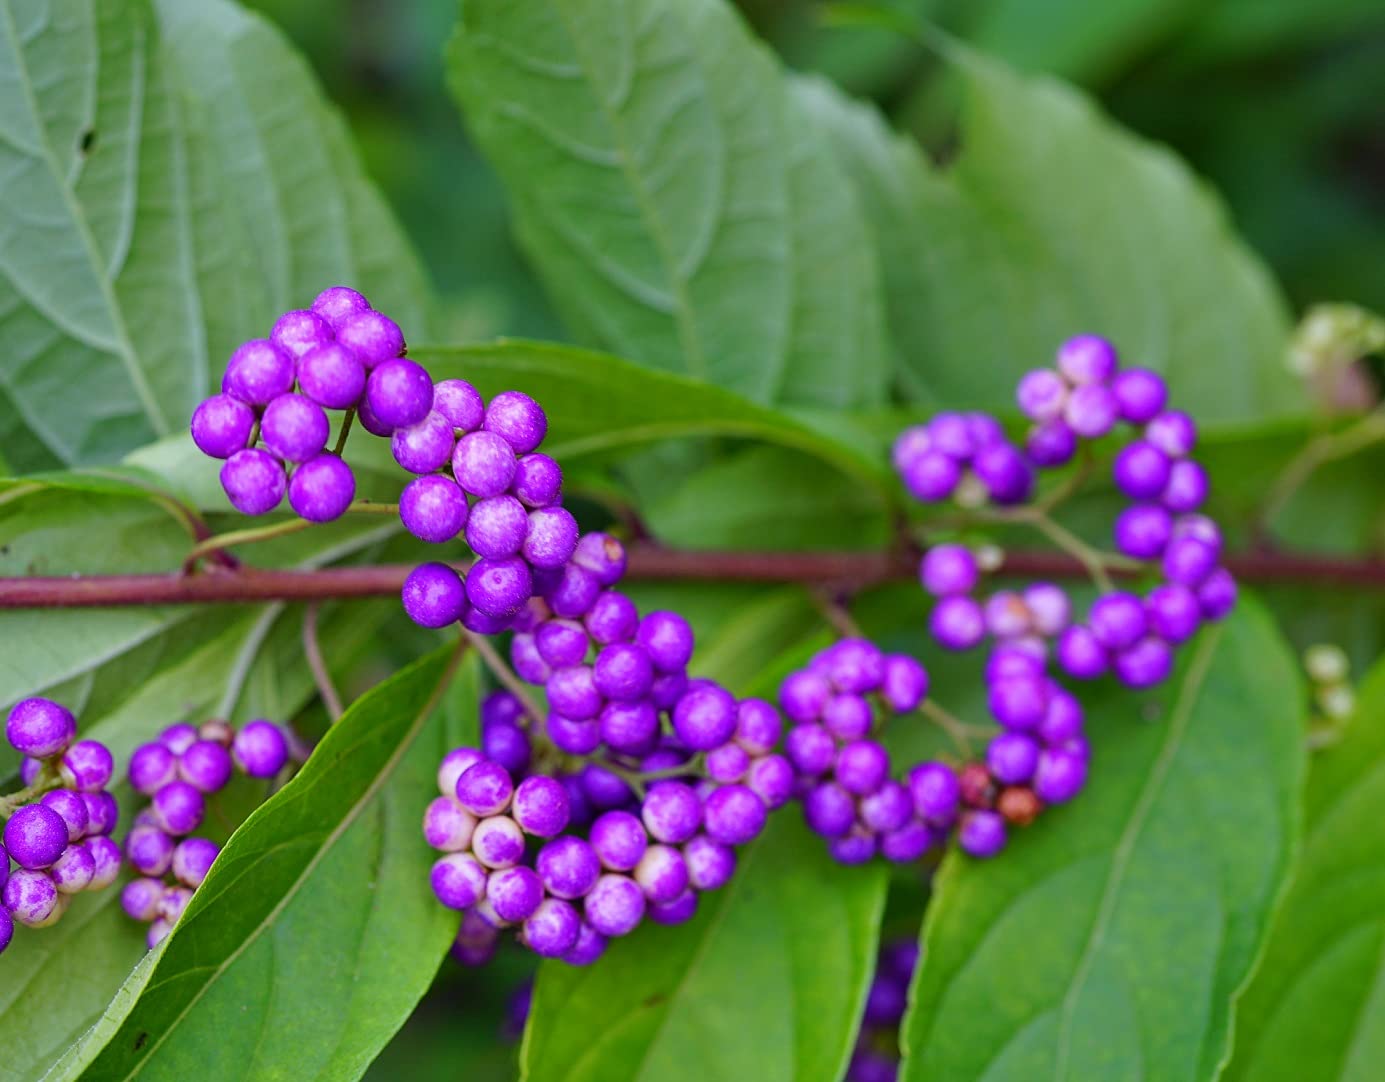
<point x="1326" y="663"/>
<point x="978" y="789"/>
<point x="1019" y="805"/>
<point x="989" y="558"/>
<point x="1337" y="702"/>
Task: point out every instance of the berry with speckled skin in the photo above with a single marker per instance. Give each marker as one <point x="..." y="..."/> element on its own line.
<point x="206" y="765"/>
<point x="31" y="897"/>
<point x="322" y="488"/>
<point x="294" y="428"/>
<point x="458" y="880"/>
<point x="40" y="728"/>
<point x="221" y="426"/>
<point x="71" y="808"/>
<point x="260" y="749"/>
<point x="253" y="481"/>
<point x="551" y="930"/>
<point x="35" y="836"/>
<point x="258" y="372"/>
<point x="541" y="806"/>
<point x="399" y="392"/>
<point x="192" y="860"/>
<point x="371" y="336"/>
<point x="615" y="905"/>
<point x="434" y="595"/>
<point x="433" y="509"/>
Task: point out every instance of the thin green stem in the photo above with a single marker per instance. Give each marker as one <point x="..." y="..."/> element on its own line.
<point x="312" y="651"/>
<point x="957" y="730"/>
<point x="502" y="672"/>
<point x="255" y="534"/>
<point x="836" y="614"/>
<point x="346" y="420"/>
<point x="48" y="780"/>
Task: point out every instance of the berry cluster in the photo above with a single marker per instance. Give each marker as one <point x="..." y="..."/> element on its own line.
<point x="876" y="1058"/>
<point x="57" y="829"/>
<point x="340" y="354"/>
<point x="178" y="771"/>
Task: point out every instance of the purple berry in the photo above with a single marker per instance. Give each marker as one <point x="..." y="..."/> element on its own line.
<point x="757" y="726"/>
<point x="1059" y="776"/>
<point x="1091" y="411"/>
<point x="603" y="556"/>
<point x="671" y="812"/>
<point x="1049" y="608"/>
<point x="71" y="808"/>
<point x="538" y="480"/>
<point x="484" y="464"/>
<point x="1146" y="663"/>
<point x="572" y="736"/>
<point x="497" y="527"/>
<point x="514" y="893"/>
<point x="1173" y="432"/>
<point x="106" y="859"/>
<point x="294" y="428"/>
<point x="192" y="860"/>
<point x="1041" y="394"/>
<point x="936" y="791"/>
<point x="459" y="880"/>
<point x="1050" y="444"/>
<point x="856" y="846"/>
<point x="399" y="393"/>
<point x="423" y="447"/>
<point x="551" y="930"/>
<point x="258" y="372"/>
<point x="710" y="863"/>
<point x="982" y="833"/>
<point x="149" y="850"/>
<point x="733" y="815"/>
<point x="568" y="866"/>
<point x="811" y="749"/>
<point x="679" y="911"/>
<point x="705" y="717"/>
<point x="952" y="435"/>
<point x="498" y="842"/>
<point x="253" y="481"/>
<point x="332" y="376"/>
<point x="619" y="840"/>
<point x="141" y="897"/>
<point x="1004" y="473"/>
<point x="1007" y="616"/>
<point x="1140" y="394"/>
<point x="861" y="767"/>
<point x="904" y="684"/>
<point x="957" y="623"/>
<point x="631" y="728"/>
<point x="614" y="906"/>
<point x="1217" y="594"/>
<point x="434" y="595"/>
<point x="460" y="403"/>
<point x="1117" y="620"/>
<point x="1087" y="358"/>
<point x="31" y="898"/>
<point x="1187" y="487"/>
<point x="372" y="336"/>
<point x="454" y="764"/>
<point x="909" y="446"/>
<point x="206" y="765"/>
<point x="179" y="737"/>
<point x="1174" y="612"/>
<point x="1081" y="654"/>
<point x="667" y="689"/>
<point x="908" y="843"/>
<point x="1143" y="531"/>
<point x="551" y="538"/>
<point x="573" y="593"/>
<point x="485" y="789"/>
<point x="1141" y="470"/>
<point x="433" y="509"/>
<point x="771" y="778"/>
<point x="221" y="426"/>
<point x="322" y="488"/>
<point x="887" y="809"/>
<point x="1189" y="560"/>
<point x="613" y="617"/>
<point x="372" y="424"/>
<point x="518" y="419"/>
<point x="300" y="331"/>
<point x="499" y="588"/>
<point x="507" y="744"/>
<point x="623" y="672"/>
<point x="337" y="304"/>
<point x="178" y="808"/>
<point x="667" y="639"/>
<point x="572" y="692"/>
<point x="151" y="767"/>
<point x="35" y="836"/>
<point x="853" y="665"/>
<point x="1063" y="718"/>
<point x="589" y="947"/>
<point x="562" y="642"/>
<point x="1011" y="758"/>
<point x="260" y="749"/>
<point x="541" y="806"/>
<point x="829" y="810"/>
<point x="662" y="874"/>
<point x="447" y="826"/>
<point x="932" y="476"/>
<point x="40" y="728"/>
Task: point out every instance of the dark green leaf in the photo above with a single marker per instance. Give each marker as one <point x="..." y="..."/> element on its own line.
<point x="173" y="179"/>
<point x="1109" y="941"/>
<point x="1050" y="222"/>
<point x="326" y="879"/>
<point x="1315" y="1008"/>
<point x="669" y="193"/>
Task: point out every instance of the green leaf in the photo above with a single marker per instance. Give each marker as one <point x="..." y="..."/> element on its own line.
<point x="327" y="876"/>
<point x="766" y="982"/>
<point x="598" y="404"/>
<point x="1110" y="939"/>
<point x="173" y="179"/>
<point x="1053" y="221"/>
<point x="1315" y="1008"/>
<point x="669" y="193"/>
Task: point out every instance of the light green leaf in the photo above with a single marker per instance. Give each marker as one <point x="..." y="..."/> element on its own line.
<point x="669" y="193"/>
<point x="173" y="179"/>
<point x="328" y="875"/>
<point x="1316" y="1008"/>
<point x="1050" y="222"/>
<point x="1110" y="939"/>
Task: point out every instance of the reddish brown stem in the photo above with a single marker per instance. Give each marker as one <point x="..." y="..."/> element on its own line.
<point x="850" y="570"/>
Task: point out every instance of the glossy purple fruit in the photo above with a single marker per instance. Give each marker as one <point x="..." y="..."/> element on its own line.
<point x="141" y="897"/>
<point x="322" y="488"/>
<point x="498" y="842"/>
<point x="514" y="893"/>
<point x="1143" y="531"/>
<point x="935" y="790"/>
<point x="957" y="623"/>
<point x="253" y="481"/>
<point x="336" y="304"/>
<point x="982" y="833"/>
<point x="1173" y="432"/>
<point x="1059" y="776"/>
<point x="433" y="509"/>
<point x="1140" y="394"/>
<point x="518" y="419"/>
<point x="614" y="906"/>
<point x="35" y="836"/>
<point x="619" y="840"/>
<point x="434" y="595"/>
<point x="1174" y="612"/>
<point x="206" y="765"/>
<point x="613" y="617"/>
<point x="1004" y="473"/>
<point x="541" y="806"/>
<point x="332" y="376"/>
<point x="1081" y="654"/>
<point x="603" y="556"/>
<point x="1091" y="411"/>
<point x="710" y="863"/>
<point x="399" y="392"/>
<point x="484" y="464"/>
<point x="499" y="588"/>
<point x="259" y="749"/>
<point x="1141" y="470"/>
<point x="497" y="527"/>
<point x="1087" y="358"/>
<point x="1217" y="594"/>
<point x="1117" y="620"/>
<point x="460" y="403"/>
<point x="538" y="480"/>
<point x="551" y="930"/>
<point x="568" y="866"/>
<point x="1041" y="394"/>
<point x="829" y="809"/>
<point x="1011" y="758"/>
<point x="672" y="812"/>
<point x="192" y="860"/>
<point x="151" y="767"/>
<point x="31" y="897"/>
<point x="552" y="538"/>
<point x="1052" y="443"/>
<point x="40" y="728"/>
<point x="258" y="372"/>
<point x="294" y="428"/>
<point x="178" y="808"/>
<point x="447" y="826"/>
<point x="704" y="717"/>
<point x="861" y="767"/>
<point x="372" y="336"/>
<point x="149" y="850"/>
<point x="221" y="426"/>
<point x="71" y="808"/>
<point x="733" y="815"/>
<point x="1144" y="664"/>
<point x="425" y="446"/>
<point x="458" y="880"/>
<point x="932" y="476"/>
<point x="1187" y="487"/>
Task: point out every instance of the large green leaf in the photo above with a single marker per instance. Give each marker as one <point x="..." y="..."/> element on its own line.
<point x="766" y="982"/>
<point x="1052" y="221"/>
<point x="172" y="179"/>
<point x="671" y="195"/>
<point x="328" y="876"/>
<point x="1316" y="1008"/>
<point x="1110" y="940"/>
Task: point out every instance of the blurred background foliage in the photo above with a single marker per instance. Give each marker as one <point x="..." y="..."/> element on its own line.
<point x="1280" y="104"/>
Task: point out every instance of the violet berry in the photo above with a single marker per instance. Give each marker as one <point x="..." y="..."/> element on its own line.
<point x="40" y="728"/>
<point x="260" y="749"/>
